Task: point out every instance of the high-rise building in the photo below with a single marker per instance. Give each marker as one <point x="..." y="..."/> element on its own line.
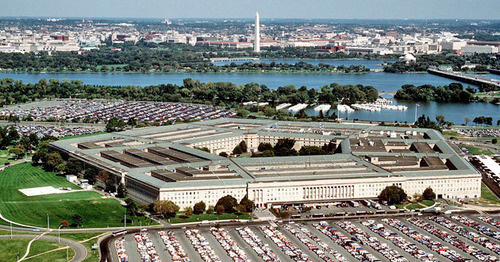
<point x="256" y="43"/>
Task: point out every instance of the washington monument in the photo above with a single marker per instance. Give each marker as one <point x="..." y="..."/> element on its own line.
<point x="256" y="43"/>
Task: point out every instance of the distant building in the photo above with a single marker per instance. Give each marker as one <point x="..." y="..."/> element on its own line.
<point x="479" y="49"/>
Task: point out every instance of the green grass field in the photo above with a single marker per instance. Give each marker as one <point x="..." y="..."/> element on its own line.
<point x="488" y="197"/>
<point x="95" y="210"/>
<point x="11" y="249"/>
<point x="477" y="151"/>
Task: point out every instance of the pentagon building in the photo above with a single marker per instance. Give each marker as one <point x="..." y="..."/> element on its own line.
<point x="163" y="163"/>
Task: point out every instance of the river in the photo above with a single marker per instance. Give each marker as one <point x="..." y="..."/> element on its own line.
<point x="381" y="81"/>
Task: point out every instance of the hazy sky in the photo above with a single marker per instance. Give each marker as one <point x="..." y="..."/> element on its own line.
<point x="344" y="9"/>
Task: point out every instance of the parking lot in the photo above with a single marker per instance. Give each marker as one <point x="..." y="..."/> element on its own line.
<point x="401" y="239"/>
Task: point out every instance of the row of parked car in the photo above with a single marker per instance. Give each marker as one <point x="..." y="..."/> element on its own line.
<point x="295" y="253"/>
<point x="373" y="242"/>
<point x="146" y="248"/>
<point x="490" y="220"/>
<point x="318" y="250"/>
<point x="479" y="227"/>
<point x="425" y="240"/>
<point x="349" y="244"/>
<point x="399" y="241"/>
<point x="234" y="251"/>
<point x="202" y="246"/>
<point x="452" y="239"/>
<point x="338" y="257"/>
<point x="120" y="250"/>
<point x="263" y="250"/>
<point x="482" y="240"/>
<point x="173" y="246"/>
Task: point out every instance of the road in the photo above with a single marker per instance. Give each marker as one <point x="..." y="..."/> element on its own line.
<point x="80" y="250"/>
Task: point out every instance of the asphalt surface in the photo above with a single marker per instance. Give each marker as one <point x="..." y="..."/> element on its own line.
<point x="159" y="246"/>
<point x="80" y="250"/>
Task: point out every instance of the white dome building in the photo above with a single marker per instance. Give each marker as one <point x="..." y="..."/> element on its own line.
<point x="408" y="58"/>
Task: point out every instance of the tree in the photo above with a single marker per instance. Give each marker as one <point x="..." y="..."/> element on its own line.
<point x="110" y="186"/>
<point x="91" y="174"/>
<point x="223" y="154"/>
<point x="114" y="125"/>
<point x="52" y="161"/>
<point x="311" y="150"/>
<point x="237" y="150"/>
<point x="494" y="141"/>
<point x="74" y="166"/>
<point x="265" y="146"/>
<point x="228" y="202"/>
<point x="64" y="223"/>
<point x="284" y="147"/>
<point x="429" y="194"/>
<point x="246" y="204"/>
<point x="17" y="151"/>
<point x="77" y="220"/>
<point x="243" y="146"/>
<point x="199" y="208"/>
<point x="268" y="153"/>
<point x="188" y="211"/>
<point x="393" y="195"/>
<point x="165" y="207"/>
<point x="121" y="192"/>
<point x="131" y="207"/>
<point x="132" y="122"/>
<point x="219" y="209"/>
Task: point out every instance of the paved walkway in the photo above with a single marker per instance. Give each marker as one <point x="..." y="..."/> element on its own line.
<point x="80" y="250"/>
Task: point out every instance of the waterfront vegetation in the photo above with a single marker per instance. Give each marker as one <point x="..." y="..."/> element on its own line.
<point x="451" y="93"/>
<point x="216" y="93"/>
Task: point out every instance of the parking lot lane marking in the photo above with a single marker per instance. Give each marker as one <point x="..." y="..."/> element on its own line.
<point x="411" y="240"/>
<point x="435" y="238"/>
<point x="299" y="244"/>
<point x="215" y="245"/>
<point x="282" y="256"/>
<point x="160" y="247"/>
<point x="367" y="247"/>
<point x="246" y="247"/>
<point x="464" y="239"/>
<point x="330" y="242"/>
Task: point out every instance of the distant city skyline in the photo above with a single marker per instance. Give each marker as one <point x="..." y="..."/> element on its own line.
<point x="324" y="9"/>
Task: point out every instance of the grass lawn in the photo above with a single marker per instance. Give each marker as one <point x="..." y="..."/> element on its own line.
<point x="95" y="210"/>
<point x="56" y="256"/>
<point x="487" y="197"/>
<point x="428" y="202"/>
<point x="10" y="249"/>
<point x="477" y="151"/>
<point x="414" y="206"/>
<point x="194" y="218"/>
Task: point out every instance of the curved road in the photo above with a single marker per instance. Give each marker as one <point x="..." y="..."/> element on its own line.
<point x="80" y="250"/>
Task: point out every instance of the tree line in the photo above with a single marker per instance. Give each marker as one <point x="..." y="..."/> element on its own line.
<point x="453" y="92"/>
<point x="456" y="62"/>
<point x="213" y="93"/>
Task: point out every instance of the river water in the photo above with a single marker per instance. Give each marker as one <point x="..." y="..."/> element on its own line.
<point x="381" y="81"/>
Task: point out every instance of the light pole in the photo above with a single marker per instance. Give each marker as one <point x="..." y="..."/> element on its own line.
<point x="11" y="230"/>
<point x="59" y="234"/>
<point x="125" y="220"/>
<point x="48" y="222"/>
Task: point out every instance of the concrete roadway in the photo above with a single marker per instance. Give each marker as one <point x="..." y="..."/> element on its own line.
<point x="80" y="250"/>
